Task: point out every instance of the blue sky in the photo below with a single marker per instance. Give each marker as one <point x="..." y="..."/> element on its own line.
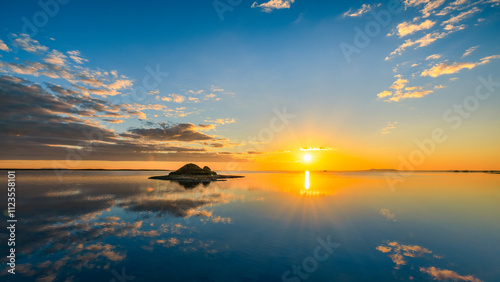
<point x="227" y="71"/>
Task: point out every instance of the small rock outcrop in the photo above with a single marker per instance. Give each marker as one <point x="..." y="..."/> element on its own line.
<point x="192" y="169"/>
<point x="191" y="173"/>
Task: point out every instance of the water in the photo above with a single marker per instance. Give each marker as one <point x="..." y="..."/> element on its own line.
<point x="318" y="226"/>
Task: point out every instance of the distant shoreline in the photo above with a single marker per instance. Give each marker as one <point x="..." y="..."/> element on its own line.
<point x="268" y="171"/>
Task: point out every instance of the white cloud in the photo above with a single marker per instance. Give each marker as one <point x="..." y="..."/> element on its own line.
<point x="433" y="57"/>
<point x="460" y="17"/>
<point x="469" y="51"/>
<point x="25" y="42"/>
<point x="273" y="5"/>
<point x="75" y="56"/>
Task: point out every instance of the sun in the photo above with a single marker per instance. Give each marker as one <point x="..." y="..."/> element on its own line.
<point x="307" y="158"/>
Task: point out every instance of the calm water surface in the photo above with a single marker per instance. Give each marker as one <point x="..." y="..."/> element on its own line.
<point x="120" y="226"/>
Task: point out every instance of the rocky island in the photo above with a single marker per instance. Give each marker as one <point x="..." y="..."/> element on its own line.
<point x="193" y="173"/>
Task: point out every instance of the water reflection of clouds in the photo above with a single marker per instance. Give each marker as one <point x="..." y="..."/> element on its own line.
<point x="387" y="213"/>
<point x="65" y="229"/>
<point x="399" y="254"/>
<point x="444" y="274"/>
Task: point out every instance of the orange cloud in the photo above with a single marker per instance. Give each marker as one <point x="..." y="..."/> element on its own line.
<point x="407" y="28"/>
<point x="446" y="68"/>
<point x="444" y="274"/>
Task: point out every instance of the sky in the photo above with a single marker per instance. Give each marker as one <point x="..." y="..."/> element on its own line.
<point x="242" y="85"/>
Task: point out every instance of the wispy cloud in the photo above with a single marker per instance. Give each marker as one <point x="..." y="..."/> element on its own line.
<point x="429" y="5"/>
<point x="418" y="43"/>
<point x="308" y="149"/>
<point x="462" y="16"/>
<point x="433" y="57"/>
<point x="401" y="92"/>
<point x="444" y="274"/>
<point x="406" y="28"/>
<point x="469" y="51"/>
<point x="25" y="42"/>
<point x="386" y="130"/>
<point x="447" y="68"/>
<point x="273" y="5"/>
<point x="76" y="56"/>
<point x="176" y="98"/>
<point x="365" y="8"/>
<point x="221" y="121"/>
<point x="399" y="253"/>
<point x="56" y="58"/>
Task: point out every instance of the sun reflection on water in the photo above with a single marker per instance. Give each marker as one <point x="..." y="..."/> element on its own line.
<point x="307" y="184"/>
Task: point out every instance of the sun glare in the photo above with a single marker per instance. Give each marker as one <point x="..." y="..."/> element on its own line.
<point x="307" y="158"/>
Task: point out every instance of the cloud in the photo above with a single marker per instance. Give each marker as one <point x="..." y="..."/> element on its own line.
<point x="186" y="132"/>
<point x="176" y="98"/>
<point x="121" y="84"/>
<point x="384" y="94"/>
<point x="195" y="92"/>
<point x="273" y="5"/>
<point x="407" y="28"/>
<point x="193" y="99"/>
<point x="75" y="56"/>
<point x="309" y="149"/>
<point x="429" y="7"/>
<point x="221" y="121"/>
<point x="386" y="130"/>
<point x="387" y="213"/>
<point x="399" y="84"/>
<point x="206" y="127"/>
<point x="56" y="58"/>
<point x="411" y="95"/>
<point x="446" y="68"/>
<point x="57" y="65"/>
<point x="4" y="47"/>
<point x="54" y="121"/>
<point x="25" y="42"/>
<point x="421" y="42"/>
<point x="365" y="8"/>
<point x="462" y="16"/>
<point x="469" y="51"/>
<point x="402" y="92"/>
<point x="398" y="252"/>
<point x="433" y="57"/>
<point x="444" y="274"/>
